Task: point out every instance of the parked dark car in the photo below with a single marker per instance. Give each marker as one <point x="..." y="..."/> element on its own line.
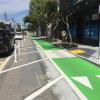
<point x="6" y="41"/>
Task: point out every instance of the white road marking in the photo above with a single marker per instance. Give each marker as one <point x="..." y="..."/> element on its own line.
<point x="4" y="63"/>
<point x="98" y="76"/>
<point x="43" y="89"/>
<point x="68" y="80"/>
<point x="4" y="71"/>
<point x="58" y="54"/>
<point x="83" y="80"/>
<point x="51" y="54"/>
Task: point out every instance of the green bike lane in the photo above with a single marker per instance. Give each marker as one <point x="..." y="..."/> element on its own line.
<point x="85" y="75"/>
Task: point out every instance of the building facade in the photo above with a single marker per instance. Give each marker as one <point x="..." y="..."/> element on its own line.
<point x="84" y="20"/>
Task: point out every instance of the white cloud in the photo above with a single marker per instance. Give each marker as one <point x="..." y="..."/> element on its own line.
<point x="13" y="6"/>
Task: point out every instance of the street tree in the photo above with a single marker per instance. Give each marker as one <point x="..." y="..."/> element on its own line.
<point x="18" y="27"/>
<point x="26" y="19"/>
<point x="42" y="14"/>
<point x="2" y="26"/>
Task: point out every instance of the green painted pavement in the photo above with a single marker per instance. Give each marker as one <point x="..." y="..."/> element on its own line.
<point x="45" y="45"/>
<point x="75" y="67"/>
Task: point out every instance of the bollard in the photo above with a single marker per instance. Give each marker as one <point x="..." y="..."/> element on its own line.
<point x="15" y="54"/>
<point x="19" y="51"/>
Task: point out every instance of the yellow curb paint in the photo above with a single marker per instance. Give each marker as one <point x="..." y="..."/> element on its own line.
<point x="78" y="51"/>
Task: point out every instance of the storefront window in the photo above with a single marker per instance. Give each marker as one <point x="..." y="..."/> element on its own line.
<point x="74" y="2"/>
<point x="94" y="31"/>
<point x="73" y="31"/>
<point x="87" y="27"/>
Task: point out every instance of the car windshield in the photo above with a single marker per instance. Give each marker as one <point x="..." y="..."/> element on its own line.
<point x="18" y="33"/>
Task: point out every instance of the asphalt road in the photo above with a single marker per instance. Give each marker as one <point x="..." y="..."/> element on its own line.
<point x="19" y="83"/>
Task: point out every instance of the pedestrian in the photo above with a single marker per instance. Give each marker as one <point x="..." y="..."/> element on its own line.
<point x="64" y="37"/>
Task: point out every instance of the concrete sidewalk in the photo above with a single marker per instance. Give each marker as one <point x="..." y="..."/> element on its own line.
<point x="83" y="74"/>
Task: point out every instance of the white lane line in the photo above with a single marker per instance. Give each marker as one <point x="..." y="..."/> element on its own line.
<point x="4" y="71"/>
<point x="43" y="89"/>
<point x="4" y="64"/>
<point x="68" y="80"/>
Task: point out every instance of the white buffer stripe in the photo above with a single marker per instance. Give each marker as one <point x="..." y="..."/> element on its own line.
<point x="22" y="66"/>
<point x="43" y="89"/>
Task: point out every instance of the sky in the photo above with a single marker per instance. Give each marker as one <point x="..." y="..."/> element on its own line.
<point x="16" y="9"/>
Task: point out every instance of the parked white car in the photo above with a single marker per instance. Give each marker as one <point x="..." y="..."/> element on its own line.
<point x="18" y="36"/>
